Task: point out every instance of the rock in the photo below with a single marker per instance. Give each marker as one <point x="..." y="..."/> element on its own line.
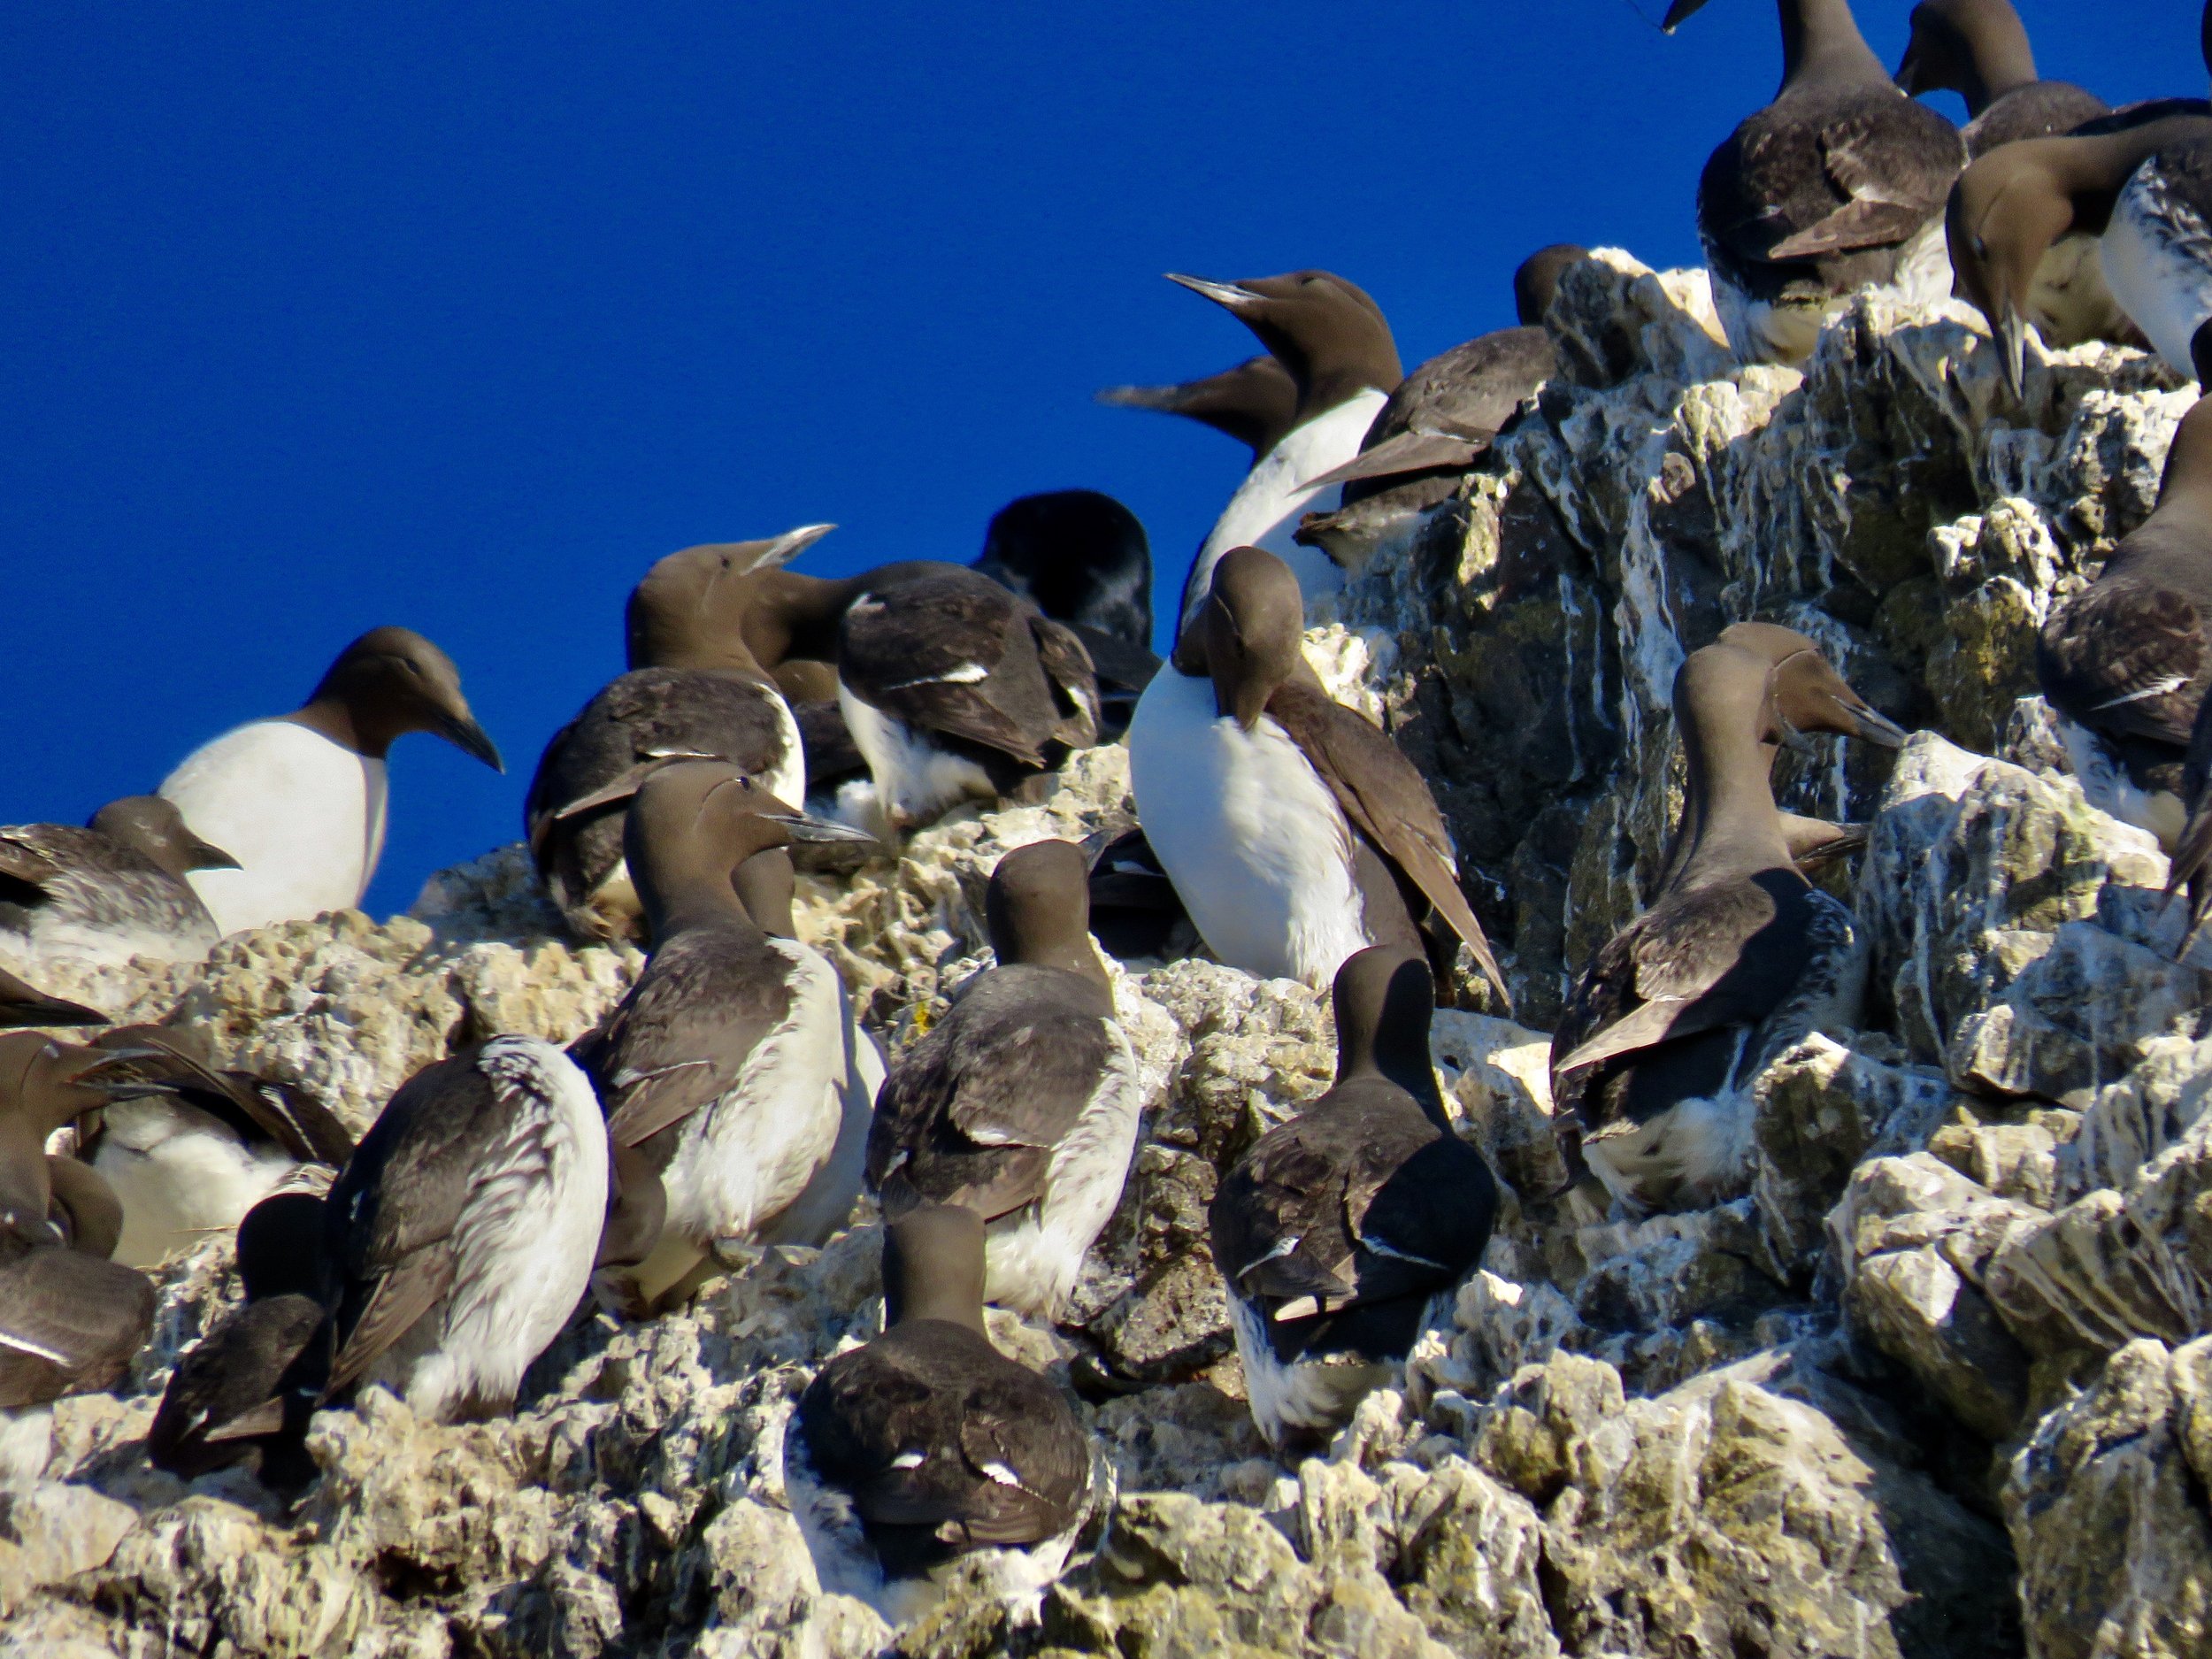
<point x="53" y="1530"/>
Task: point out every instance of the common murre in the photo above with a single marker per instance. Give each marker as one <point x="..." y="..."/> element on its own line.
<point x="1979" y="49"/>
<point x="112" y="890"/>
<point x="1255" y="403"/>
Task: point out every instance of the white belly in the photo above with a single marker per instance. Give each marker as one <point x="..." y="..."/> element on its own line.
<point x="1268" y="505"/>
<point x="303" y="816"/>
<point x="916" y="780"/>
<point x="2167" y="292"/>
<point x="179" y="1176"/>
<point x="1307" y="1396"/>
<point x="745" y="1159"/>
<point x="788" y="781"/>
<point x="1256" y="846"/>
<point x="826" y="1205"/>
<point x="2105" y="784"/>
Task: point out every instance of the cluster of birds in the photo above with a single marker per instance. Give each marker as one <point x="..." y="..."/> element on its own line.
<point x="770" y="720"/>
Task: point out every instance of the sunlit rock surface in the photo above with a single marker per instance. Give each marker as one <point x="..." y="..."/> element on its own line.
<point x="1936" y="1383"/>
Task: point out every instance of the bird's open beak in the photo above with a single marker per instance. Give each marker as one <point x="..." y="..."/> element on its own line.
<point x="1228" y="294"/>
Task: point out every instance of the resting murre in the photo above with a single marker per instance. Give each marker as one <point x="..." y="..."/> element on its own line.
<point x="1255" y="403"/>
<point x="1294" y="831"/>
<point x="725" y="1065"/>
<point x="691" y="691"/>
<point x="1337" y="345"/>
<point x="459" y="1237"/>
<point x="2089" y="238"/>
<point x="232" y="1397"/>
<point x="111" y="891"/>
<point x="1344" y="1233"/>
<point x="22" y="1005"/>
<point x="1737" y="957"/>
<point x="1022" y="1103"/>
<point x="299" y="800"/>
<point x="1081" y="557"/>
<point x="1979" y="49"/>
<point x="955" y="690"/>
<point x="188" y="1147"/>
<point x="1440" y="416"/>
<point x="1839" y="183"/>
<point x="2125" y="662"/>
<point x="928" y="1444"/>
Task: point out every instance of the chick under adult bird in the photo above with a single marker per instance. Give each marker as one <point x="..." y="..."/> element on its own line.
<point x="725" y="1065"/>
<point x="691" y="691"/>
<point x="298" y="801"/>
<point x="1022" y="1103"/>
<point x="1336" y="346"/>
<point x="1737" y="958"/>
<point x="2089" y="238"/>
<point x="111" y="891"/>
<point x="1836" y="184"/>
<point x="929" y="1445"/>
<point x="1294" y="831"/>
<point x="1441" y="418"/>
<point x="2126" y="662"/>
<point x="1345" y="1232"/>
<point x="1255" y="403"/>
<point x="459" y="1236"/>
<point x="1979" y="49"/>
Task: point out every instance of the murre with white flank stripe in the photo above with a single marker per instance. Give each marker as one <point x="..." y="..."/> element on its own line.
<point x="693" y="691"/>
<point x="1738" y="955"/>
<point x="299" y="801"/>
<point x="727" y="1063"/>
<point x="1294" y="831"/>
<point x="1344" y="1233"/>
<point x="928" y="1445"/>
<point x="111" y="891"/>
<point x="1022" y="1103"/>
<point x="1836" y="184"/>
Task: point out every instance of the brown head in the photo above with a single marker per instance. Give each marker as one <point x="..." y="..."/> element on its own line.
<point x="1255" y="403"/>
<point x="806" y="679"/>
<point x="1330" y="336"/>
<point x="153" y="829"/>
<point x="1809" y="695"/>
<point x="692" y="824"/>
<point x="932" y="1267"/>
<point x="1821" y="42"/>
<point x="388" y="683"/>
<point x="767" y="886"/>
<point x="2186" y="483"/>
<point x="2006" y="212"/>
<point x="84" y="1206"/>
<point x="689" y="611"/>
<point x="1978" y="48"/>
<point x="1253" y="628"/>
<point x="1383" y="998"/>
<point x="1536" y="280"/>
<point x="43" y="1085"/>
<point x="1038" y="907"/>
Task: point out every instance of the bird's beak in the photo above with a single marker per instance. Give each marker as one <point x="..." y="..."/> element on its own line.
<point x="2012" y="339"/>
<point x="805" y="826"/>
<point x="1872" y="726"/>
<point x="203" y="855"/>
<point x="1228" y="294"/>
<point x="462" y="731"/>
<point x="1677" y="12"/>
<point x="790" y="544"/>
<point x="1907" y="75"/>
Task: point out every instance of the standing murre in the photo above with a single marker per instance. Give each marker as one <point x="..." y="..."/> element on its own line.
<point x="1022" y="1103"/>
<point x="1979" y="49"/>
<point x="956" y="690"/>
<point x="1441" y="418"/>
<point x="727" y="1063"/>
<point x="1737" y="958"/>
<point x="190" y="1148"/>
<point x="109" y="892"/>
<point x="2088" y="238"/>
<point x="1294" y="831"/>
<point x="1836" y="184"/>
<point x="928" y="1444"/>
<point x="1255" y="403"/>
<point x="23" y="1005"/>
<point x="459" y="1237"/>
<point x="233" y="1396"/>
<point x="1337" y="345"/>
<point x="1344" y="1233"/>
<point x="691" y="691"/>
<point x="299" y="800"/>
<point x="2126" y="662"/>
<point x="1081" y="557"/>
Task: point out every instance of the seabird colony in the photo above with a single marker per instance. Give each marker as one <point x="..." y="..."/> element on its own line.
<point x="736" y="1096"/>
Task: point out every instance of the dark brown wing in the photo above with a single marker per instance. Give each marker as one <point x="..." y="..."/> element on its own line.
<point x="1388" y="802"/>
<point x="25" y="871"/>
<point x="682" y="1038"/>
<point x="69" y="1322"/>
<point x="1066" y="661"/>
<point x="2126" y="658"/>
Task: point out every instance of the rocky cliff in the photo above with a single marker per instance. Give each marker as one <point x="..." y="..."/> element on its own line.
<point x="1941" y="1384"/>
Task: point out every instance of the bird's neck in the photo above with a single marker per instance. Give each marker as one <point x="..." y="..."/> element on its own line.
<point x="1729" y="819"/>
<point x="1999" y="59"/>
<point x="1821" y="44"/>
<point x="334" y="719"/>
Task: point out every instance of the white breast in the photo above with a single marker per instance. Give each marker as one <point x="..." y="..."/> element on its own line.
<point x="179" y="1176"/>
<point x="303" y="816"/>
<point x="1306" y="1396"/>
<point x="1256" y="846"/>
<point x="1273" y="498"/>
<point x="2154" y="254"/>
<point x="745" y="1159"/>
<point x="826" y="1205"/>
<point x="916" y="778"/>
<point x="786" y="782"/>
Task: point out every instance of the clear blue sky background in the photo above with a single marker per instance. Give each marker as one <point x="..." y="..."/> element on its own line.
<point x="316" y="318"/>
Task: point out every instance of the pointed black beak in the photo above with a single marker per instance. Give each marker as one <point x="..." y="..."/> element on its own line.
<point x="463" y="731"/>
<point x="1873" y="726"/>
<point x="1229" y="294"/>
<point x="805" y="826"/>
<point x="201" y="855"/>
<point x="1677" y="12"/>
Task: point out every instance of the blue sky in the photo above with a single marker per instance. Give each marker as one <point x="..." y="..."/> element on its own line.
<point x="458" y="316"/>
